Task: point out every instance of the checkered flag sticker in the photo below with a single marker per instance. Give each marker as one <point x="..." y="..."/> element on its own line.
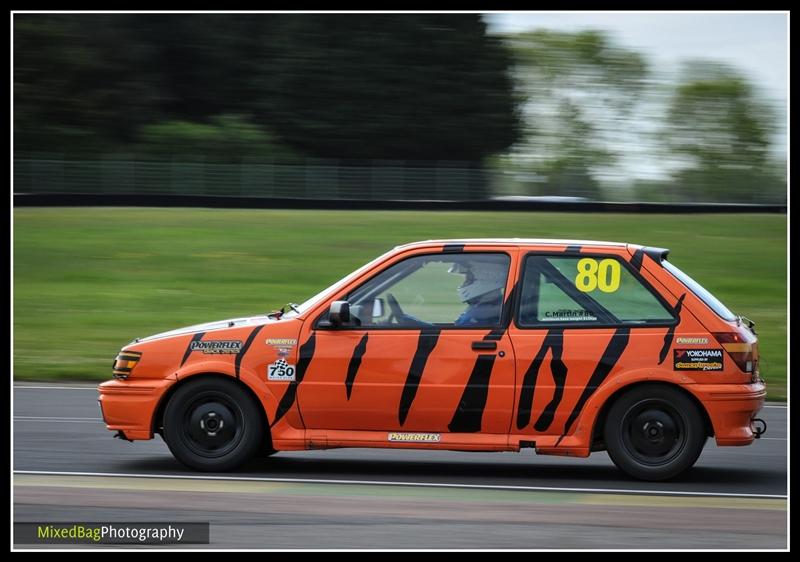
<point x="280" y="370"/>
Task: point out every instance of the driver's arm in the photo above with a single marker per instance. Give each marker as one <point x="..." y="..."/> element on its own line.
<point x="465" y="318"/>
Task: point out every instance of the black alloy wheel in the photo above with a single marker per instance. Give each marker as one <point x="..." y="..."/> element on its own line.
<point x="654" y="432"/>
<point x="213" y="424"/>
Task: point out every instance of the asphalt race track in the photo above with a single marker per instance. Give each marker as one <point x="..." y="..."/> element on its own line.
<point x="68" y="467"/>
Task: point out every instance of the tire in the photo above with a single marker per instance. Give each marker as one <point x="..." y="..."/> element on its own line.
<point x="654" y="432"/>
<point x="213" y="424"/>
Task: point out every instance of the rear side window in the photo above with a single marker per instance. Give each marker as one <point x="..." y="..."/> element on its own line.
<point x="586" y="290"/>
<point x="695" y="287"/>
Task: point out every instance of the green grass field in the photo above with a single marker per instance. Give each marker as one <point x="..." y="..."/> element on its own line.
<point x="89" y="280"/>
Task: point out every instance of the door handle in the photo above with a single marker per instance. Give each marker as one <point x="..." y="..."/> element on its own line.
<point x="481" y="344"/>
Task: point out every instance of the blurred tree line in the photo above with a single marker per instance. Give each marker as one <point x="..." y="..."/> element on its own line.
<point x="406" y="87"/>
<point x="590" y="102"/>
<point x="556" y="109"/>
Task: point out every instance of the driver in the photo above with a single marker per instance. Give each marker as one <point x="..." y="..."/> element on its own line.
<point x="482" y="291"/>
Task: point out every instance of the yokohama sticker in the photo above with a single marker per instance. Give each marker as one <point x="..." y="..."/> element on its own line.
<point x="698" y="359"/>
<point x="415" y="437"/>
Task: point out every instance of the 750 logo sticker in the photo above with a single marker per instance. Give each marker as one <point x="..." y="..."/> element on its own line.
<point x="280" y="371"/>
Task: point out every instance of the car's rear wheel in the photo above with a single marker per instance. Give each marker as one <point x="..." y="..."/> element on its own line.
<point x="212" y="424"/>
<point x="654" y="432"/>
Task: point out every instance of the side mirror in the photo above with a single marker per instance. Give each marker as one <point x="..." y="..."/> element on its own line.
<point x="377" y="308"/>
<point x="339" y="313"/>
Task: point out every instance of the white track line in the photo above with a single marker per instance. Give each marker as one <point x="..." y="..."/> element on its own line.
<point x="404" y="484"/>
<point x="94" y="388"/>
<point x="56" y="419"/>
<point x="59" y="418"/>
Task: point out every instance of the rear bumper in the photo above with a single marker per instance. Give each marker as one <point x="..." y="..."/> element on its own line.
<point x="129" y="405"/>
<point x="731" y="408"/>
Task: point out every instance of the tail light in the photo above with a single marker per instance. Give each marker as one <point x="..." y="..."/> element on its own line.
<point x="742" y="347"/>
<point x="125" y="362"/>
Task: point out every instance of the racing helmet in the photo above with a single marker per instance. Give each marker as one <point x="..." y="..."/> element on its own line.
<point x="480" y="278"/>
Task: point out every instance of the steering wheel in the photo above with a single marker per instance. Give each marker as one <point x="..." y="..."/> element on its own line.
<point x="397" y="314"/>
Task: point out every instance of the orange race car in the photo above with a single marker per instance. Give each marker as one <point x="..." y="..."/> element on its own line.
<point x="567" y="347"/>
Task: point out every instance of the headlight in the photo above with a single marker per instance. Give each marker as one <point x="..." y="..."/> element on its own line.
<point x="124" y="363"/>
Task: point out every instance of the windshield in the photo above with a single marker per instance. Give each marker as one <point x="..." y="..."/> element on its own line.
<point x="322" y="295"/>
<point x="712" y="301"/>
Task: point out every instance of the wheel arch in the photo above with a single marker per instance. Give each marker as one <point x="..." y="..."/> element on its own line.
<point x="158" y="417"/>
<point x="597" y="442"/>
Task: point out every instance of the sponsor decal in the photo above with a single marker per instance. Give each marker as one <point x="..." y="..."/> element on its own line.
<point x="415" y="437"/>
<point x="698" y="359"/>
<point x="280" y="371"/>
<point x="231" y="347"/>
<point x="283" y="345"/>
<point x="691" y="341"/>
<point x="282" y="342"/>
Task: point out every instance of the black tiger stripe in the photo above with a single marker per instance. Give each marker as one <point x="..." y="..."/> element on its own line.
<point x="239" y="356"/>
<point x="495" y="335"/>
<point x="355" y="363"/>
<point x="197" y="337"/>
<point x="453" y="248"/>
<point x="572" y="250"/>
<point x="508" y="308"/>
<point x="612" y="354"/>
<point x="559" y="370"/>
<point x="427" y="341"/>
<point x="638" y="257"/>
<point x="671" y="331"/>
<point x="305" y="355"/>
<point x="554" y="338"/>
<point x="469" y="414"/>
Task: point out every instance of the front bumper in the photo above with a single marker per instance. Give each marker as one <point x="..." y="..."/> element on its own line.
<point x="130" y="405"/>
<point x="731" y="408"/>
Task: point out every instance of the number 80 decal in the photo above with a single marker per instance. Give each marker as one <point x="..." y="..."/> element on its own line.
<point x="603" y="275"/>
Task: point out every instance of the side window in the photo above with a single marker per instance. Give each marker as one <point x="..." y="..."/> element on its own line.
<point x="461" y="290"/>
<point x="585" y="290"/>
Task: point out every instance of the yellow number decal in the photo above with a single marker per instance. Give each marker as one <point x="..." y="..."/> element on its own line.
<point x="592" y="275"/>
<point x="586" y="281"/>
<point x="608" y="274"/>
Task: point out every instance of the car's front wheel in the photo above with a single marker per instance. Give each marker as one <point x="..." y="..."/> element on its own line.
<point x="212" y="424"/>
<point x="654" y="432"/>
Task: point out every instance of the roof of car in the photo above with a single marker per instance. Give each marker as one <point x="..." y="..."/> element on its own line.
<point x="514" y="242"/>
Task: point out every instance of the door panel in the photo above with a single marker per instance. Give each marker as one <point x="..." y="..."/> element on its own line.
<point x="575" y="329"/>
<point x="420" y="380"/>
<point x="411" y="364"/>
<point x="559" y="369"/>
